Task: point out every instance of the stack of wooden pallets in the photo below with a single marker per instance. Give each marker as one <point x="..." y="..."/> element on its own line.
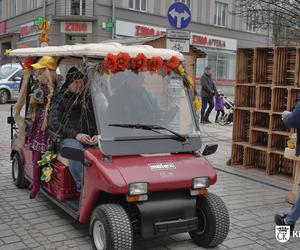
<point x="268" y="82"/>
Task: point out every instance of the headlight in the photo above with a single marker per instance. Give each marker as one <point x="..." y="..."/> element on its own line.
<point x="200" y="182"/>
<point x="138" y="188"/>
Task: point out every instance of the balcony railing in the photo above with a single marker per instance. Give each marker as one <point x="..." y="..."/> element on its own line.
<point x="74" y="8"/>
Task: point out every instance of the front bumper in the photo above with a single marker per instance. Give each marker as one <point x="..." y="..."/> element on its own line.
<point x="167" y="213"/>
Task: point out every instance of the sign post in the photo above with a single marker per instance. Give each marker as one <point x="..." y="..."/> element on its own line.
<point x="179" y="16"/>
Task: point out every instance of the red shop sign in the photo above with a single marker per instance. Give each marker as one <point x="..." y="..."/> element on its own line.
<point x="207" y="41"/>
<point x="76" y="27"/>
<point x="3" y="27"/>
<point x="146" y="31"/>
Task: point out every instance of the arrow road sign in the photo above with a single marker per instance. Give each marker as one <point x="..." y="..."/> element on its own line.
<point x="179" y="15"/>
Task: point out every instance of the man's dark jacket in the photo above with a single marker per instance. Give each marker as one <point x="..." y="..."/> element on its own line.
<point x="292" y="120"/>
<point x="208" y="86"/>
<point x="71" y="114"/>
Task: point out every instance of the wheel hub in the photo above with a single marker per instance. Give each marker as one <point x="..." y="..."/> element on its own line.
<point x="201" y="222"/>
<point x="3" y="96"/>
<point x="15" y="169"/>
<point x="99" y="235"/>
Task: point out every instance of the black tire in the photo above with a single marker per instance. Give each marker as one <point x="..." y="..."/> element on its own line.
<point x="213" y="221"/>
<point x="17" y="171"/>
<point x="114" y="221"/>
<point x="4" y="96"/>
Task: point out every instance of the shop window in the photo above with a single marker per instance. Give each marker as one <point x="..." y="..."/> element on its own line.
<point x="186" y="2"/>
<point x="251" y="22"/>
<point x="140" y="5"/>
<point x="78" y="7"/>
<point x="221" y="12"/>
<point x="222" y="65"/>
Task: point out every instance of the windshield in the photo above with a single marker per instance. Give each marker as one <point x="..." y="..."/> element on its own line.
<point x="141" y="98"/>
<point x="6" y="71"/>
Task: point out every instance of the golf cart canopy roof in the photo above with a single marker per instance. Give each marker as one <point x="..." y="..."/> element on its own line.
<point x="96" y="50"/>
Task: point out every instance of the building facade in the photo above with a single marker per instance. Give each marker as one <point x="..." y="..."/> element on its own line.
<point x="213" y="28"/>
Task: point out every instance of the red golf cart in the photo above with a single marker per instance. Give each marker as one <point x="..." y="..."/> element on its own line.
<point x="147" y="175"/>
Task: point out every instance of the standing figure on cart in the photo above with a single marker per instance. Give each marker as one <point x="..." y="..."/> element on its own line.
<point x="40" y="99"/>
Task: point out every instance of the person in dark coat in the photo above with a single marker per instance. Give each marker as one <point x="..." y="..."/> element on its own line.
<point x="71" y="117"/>
<point x="208" y="91"/>
<point x="292" y="120"/>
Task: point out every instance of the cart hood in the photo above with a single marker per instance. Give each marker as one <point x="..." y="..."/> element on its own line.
<point x="164" y="172"/>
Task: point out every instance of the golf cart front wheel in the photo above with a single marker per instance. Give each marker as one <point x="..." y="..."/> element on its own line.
<point x="213" y="221"/>
<point x="110" y="228"/>
<point x="18" y="173"/>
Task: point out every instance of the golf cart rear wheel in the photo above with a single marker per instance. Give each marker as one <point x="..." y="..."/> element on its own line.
<point x="213" y="221"/>
<point x="110" y="228"/>
<point x="18" y="174"/>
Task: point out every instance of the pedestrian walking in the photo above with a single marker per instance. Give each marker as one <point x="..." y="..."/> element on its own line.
<point x="208" y="91"/>
<point x="219" y="104"/>
<point x="292" y="120"/>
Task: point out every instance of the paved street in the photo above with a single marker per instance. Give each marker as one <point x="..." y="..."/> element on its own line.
<point x="38" y="224"/>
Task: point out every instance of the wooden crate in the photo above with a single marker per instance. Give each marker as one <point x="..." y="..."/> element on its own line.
<point x="277" y="123"/>
<point x="292" y="98"/>
<point x="255" y="158"/>
<point x="263" y="65"/>
<point x="278" y="142"/>
<point x="284" y="66"/>
<point x="279" y="99"/>
<point x="297" y="68"/>
<point x="237" y="154"/>
<point x="264" y="98"/>
<point x="244" y="64"/>
<point x="241" y="119"/>
<point x="261" y="120"/>
<point x="280" y="165"/>
<point x="245" y="96"/>
<point x="259" y="138"/>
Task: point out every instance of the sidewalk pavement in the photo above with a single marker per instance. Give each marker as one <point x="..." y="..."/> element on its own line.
<point x="39" y="224"/>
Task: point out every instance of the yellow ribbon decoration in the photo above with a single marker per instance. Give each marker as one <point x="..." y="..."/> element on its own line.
<point x="8" y="51"/>
<point x="197" y="103"/>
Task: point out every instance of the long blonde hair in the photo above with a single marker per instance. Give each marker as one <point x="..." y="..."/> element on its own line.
<point x="51" y="82"/>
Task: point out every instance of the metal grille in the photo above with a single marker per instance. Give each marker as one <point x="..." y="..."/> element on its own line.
<point x="74" y="8"/>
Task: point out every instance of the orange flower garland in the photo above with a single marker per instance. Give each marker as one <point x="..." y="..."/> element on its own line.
<point x="123" y="60"/>
<point x="110" y="63"/>
<point x="171" y="64"/>
<point x="139" y="63"/>
<point x="155" y="63"/>
<point x="27" y="61"/>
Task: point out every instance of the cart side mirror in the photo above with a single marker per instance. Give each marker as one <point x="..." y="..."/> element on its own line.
<point x="210" y="149"/>
<point x="72" y="153"/>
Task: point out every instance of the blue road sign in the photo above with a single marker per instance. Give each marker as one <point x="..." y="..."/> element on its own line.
<point x="179" y="15"/>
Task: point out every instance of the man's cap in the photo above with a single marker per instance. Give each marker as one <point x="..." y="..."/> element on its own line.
<point x="207" y="68"/>
<point x="74" y="74"/>
<point x="45" y="62"/>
